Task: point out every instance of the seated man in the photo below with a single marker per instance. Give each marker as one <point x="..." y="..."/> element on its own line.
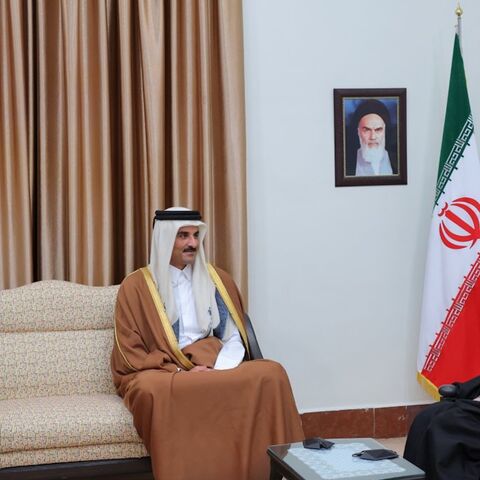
<point x="444" y="439"/>
<point x="201" y="411"/>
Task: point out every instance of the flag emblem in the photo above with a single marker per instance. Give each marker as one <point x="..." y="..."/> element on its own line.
<point x="463" y="213"/>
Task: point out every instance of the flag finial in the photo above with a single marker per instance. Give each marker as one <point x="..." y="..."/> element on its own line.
<point x="459" y="13"/>
<point x="459" y="10"/>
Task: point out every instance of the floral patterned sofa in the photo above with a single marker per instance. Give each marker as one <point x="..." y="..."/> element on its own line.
<point x="59" y="415"/>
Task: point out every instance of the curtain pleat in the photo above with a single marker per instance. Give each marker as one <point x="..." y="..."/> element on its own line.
<point x="137" y="106"/>
<point x="208" y="126"/>
<point x="75" y="218"/>
<point x="229" y="181"/>
<point x="16" y="144"/>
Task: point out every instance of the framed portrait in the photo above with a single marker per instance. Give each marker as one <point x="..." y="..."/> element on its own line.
<point x="370" y="136"/>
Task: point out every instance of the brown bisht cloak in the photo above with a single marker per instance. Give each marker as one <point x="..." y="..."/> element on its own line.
<point x="197" y="425"/>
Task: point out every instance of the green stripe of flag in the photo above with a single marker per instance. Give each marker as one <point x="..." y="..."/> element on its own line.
<point x="458" y="126"/>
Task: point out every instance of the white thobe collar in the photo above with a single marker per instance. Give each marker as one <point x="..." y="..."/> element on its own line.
<point x="176" y="274"/>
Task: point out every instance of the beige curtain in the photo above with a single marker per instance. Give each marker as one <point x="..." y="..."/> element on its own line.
<point x="111" y="109"/>
<point x="16" y="145"/>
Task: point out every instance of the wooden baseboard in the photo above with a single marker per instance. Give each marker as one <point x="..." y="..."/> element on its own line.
<point x="385" y="422"/>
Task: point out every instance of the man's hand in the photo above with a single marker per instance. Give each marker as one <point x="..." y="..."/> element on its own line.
<point x="201" y="368"/>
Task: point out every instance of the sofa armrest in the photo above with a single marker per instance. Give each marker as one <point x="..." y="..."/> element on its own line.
<point x="255" y="352"/>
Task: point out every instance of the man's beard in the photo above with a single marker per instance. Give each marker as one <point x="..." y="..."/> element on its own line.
<point x="372" y="154"/>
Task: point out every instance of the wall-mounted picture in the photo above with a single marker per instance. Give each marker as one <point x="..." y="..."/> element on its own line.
<point x="370" y="136"/>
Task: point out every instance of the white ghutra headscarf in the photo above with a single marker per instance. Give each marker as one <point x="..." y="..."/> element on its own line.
<point x="163" y="239"/>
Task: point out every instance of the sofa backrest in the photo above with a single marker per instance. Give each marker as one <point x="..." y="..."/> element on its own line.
<point x="55" y="339"/>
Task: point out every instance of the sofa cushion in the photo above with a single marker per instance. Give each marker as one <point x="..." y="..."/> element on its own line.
<point x="56" y="305"/>
<point x="108" y="451"/>
<point x="57" y="400"/>
<point x="39" y="364"/>
<point x="64" y="421"/>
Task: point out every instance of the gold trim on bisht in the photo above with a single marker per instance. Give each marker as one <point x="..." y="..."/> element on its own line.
<point x="230" y="305"/>
<point x="157" y="300"/>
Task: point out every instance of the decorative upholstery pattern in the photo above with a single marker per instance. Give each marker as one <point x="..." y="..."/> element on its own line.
<point x="52" y="305"/>
<point x="55" y="363"/>
<point x="73" y="454"/>
<point x="57" y="399"/>
<point x="65" y="421"/>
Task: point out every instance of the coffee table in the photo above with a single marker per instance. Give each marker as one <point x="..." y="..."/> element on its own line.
<point x="294" y="462"/>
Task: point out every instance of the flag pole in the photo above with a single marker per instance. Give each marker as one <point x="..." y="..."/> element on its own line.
<point x="459" y="13"/>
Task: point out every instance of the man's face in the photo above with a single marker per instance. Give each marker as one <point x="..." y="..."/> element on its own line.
<point x="371" y="131"/>
<point x="185" y="247"/>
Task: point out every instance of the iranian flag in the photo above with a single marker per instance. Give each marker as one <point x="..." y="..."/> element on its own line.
<point x="449" y="345"/>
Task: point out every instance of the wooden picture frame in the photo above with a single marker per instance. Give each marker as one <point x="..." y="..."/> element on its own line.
<point x="370" y="136"/>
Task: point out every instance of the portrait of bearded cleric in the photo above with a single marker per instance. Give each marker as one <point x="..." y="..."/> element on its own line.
<point x="372" y="137"/>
